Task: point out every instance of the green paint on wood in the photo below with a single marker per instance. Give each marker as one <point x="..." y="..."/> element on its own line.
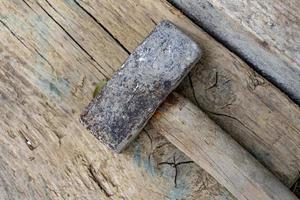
<point x="99" y="87"/>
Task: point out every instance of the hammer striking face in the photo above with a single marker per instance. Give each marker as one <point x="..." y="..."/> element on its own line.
<point x="123" y="107"/>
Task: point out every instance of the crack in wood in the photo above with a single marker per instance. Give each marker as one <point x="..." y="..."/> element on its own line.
<point x="75" y="41"/>
<point x="175" y="165"/>
<point x="20" y="40"/>
<point x="53" y="8"/>
<point x="28" y="5"/>
<point x="28" y="142"/>
<point x="153" y="21"/>
<point x="14" y="34"/>
<point x="214" y="113"/>
<point x="103" y="27"/>
<point x="93" y="176"/>
<point x="193" y="90"/>
<point x="215" y="83"/>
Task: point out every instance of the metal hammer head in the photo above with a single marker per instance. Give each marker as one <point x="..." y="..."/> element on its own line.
<point x="123" y="107"/>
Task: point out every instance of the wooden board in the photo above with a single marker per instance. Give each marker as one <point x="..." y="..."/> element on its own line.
<point x="48" y="72"/>
<point x="53" y="59"/>
<point x="264" y="33"/>
<point x="186" y="126"/>
<point x="248" y="107"/>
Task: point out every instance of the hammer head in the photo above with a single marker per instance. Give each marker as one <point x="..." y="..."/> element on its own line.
<point x="123" y="107"/>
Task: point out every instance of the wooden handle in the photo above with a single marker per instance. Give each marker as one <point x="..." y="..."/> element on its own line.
<point x="189" y="129"/>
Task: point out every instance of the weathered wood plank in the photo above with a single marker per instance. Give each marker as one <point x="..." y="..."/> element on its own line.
<point x="186" y="126"/>
<point x="51" y="106"/>
<point x="48" y="71"/>
<point x="263" y="33"/>
<point x="248" y="107"/>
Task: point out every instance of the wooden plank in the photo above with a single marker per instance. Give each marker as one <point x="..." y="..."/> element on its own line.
<point x="263" y="33"/>
<point x="253" y="111"/>
<point x="56" y="113"/>
<point x="47" y="78"/>
<point x="186" y="126"/>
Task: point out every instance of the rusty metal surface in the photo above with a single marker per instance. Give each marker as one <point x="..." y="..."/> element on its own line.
<point x="123" y="107"/>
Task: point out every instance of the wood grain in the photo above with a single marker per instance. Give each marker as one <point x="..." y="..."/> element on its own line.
<point x="263" y="33"/>
<point x="48" y="71"/>
<point x="53" y="54"/>
<point x="261" y="118"/>
<point x="186" y="126"/>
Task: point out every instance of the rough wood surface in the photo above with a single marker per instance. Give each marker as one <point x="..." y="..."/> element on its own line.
<point x="128" y="100"/>
<point x="265" y="33"/>
<point x="48" y="71"/>
<point x="186" y="126"/>
<point x="52" y="55"/>
<point x="244" y="104"/>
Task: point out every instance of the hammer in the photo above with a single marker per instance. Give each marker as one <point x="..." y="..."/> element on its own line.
<point x="131" y="97"/>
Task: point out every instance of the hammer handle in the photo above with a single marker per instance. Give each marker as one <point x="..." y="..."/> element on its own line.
<point x="190" y="129"/>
